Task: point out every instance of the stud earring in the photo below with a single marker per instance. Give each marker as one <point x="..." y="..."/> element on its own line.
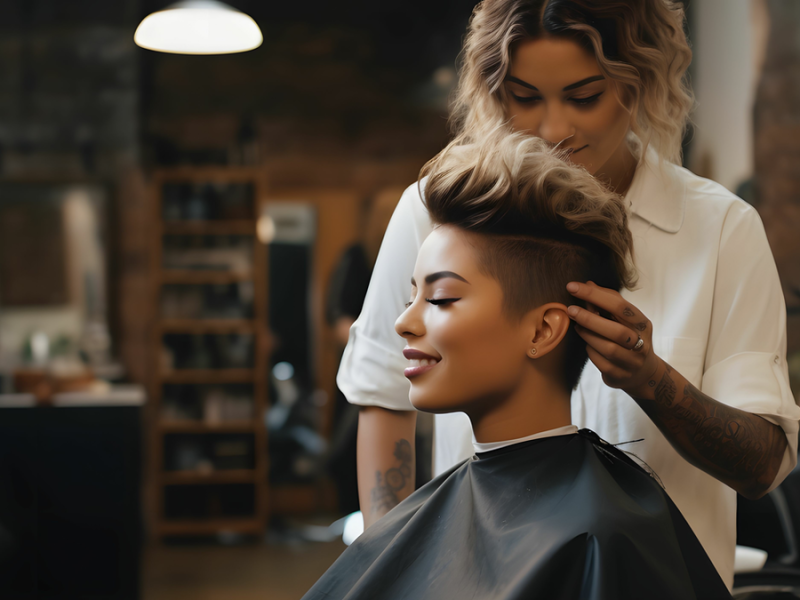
<point x="532" y="351"/>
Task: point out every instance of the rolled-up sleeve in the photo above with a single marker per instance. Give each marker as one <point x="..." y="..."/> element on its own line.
<point x="371" y="371"/>
<point x="746" y="358"/>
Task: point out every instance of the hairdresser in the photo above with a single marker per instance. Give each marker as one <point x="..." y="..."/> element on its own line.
<point x="692" y="361"/>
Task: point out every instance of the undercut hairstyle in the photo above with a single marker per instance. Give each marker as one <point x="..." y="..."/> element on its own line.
<point x="639" y="44"/>
<point x="536" y="223"/>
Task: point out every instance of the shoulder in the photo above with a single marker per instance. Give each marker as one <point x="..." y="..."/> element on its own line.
<point x="413" y="195"/>
<point x="707" y="198"/>
<point x="410" y="217"/>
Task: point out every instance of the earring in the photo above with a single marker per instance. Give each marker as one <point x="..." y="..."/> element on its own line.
<point x="532" y="351"/>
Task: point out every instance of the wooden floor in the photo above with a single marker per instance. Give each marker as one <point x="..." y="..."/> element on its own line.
<point x="255" y="571"/>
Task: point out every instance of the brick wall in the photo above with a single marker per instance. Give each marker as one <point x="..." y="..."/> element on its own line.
<point x="68" y="88"/>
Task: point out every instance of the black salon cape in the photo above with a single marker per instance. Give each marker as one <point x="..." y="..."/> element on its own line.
<point x="559" y="517"/>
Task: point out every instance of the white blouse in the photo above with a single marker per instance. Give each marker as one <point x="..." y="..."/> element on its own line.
<point x="707" y="281"/>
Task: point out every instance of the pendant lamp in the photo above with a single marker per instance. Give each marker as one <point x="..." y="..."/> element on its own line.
<point x="198" y="27"/>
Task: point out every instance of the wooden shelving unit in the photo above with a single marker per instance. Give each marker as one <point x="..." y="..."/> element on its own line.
<point x="227" y="227"/>
<point x="167" y="426"/>
<point x="208" y="326"/>
<point x="222" y="476"/>
<point x="210" y="527"/>
<point x="203" y="277"/>
<point x="256" y="326"/>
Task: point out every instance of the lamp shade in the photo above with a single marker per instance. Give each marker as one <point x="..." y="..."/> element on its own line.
<point x="198" y="27"/>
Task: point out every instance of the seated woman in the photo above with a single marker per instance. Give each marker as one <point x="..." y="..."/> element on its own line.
<point x="542" y="510"/>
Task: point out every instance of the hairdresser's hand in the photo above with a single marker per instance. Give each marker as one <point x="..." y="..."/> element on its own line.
<point x="611" y="327"/>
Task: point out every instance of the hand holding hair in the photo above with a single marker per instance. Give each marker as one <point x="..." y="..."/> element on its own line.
<point x="614" y="346"/>
<point x="739" y="448"/>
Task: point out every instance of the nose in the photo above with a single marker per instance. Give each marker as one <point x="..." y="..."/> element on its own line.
<point x="409" y="324"/>
<point x="555" y="126"/>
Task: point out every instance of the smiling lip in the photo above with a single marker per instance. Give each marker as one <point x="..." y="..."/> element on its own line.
<point x="416" y="371"/>
<point x="578" y="150"/>
<point x="412" y="354"/>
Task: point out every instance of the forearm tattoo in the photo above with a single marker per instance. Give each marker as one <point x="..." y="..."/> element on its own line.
<point x="665" y="389"/>
<point x="728" y="443"/>
<point x="387" y="485"/>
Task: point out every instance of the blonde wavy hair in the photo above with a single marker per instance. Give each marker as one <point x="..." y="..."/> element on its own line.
<point x="537" y="223"/>
<point x="639" y="44"/>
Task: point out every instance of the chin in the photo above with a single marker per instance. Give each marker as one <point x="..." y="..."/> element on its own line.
<point x="431" y="403"/>
<point x="589" y="165"/>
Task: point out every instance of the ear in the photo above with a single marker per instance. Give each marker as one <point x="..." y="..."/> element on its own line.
<point x="548" y="324"/>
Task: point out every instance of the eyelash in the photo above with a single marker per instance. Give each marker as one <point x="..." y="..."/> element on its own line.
<point x="588" y="100"/>
<point x="579" y="101"/>
<point x="440" y="301"/>
<point x="436" y="301"/>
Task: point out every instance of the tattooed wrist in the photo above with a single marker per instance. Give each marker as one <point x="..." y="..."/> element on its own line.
<point x="384" y="495"/>
<point x="665" y="389"/>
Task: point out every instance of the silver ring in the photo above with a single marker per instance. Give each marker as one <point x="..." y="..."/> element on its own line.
<point x="638" y="345"/>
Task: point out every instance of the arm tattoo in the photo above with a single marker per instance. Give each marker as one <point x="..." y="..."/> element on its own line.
<point x="729" y="444"/>
<point x="384" y="494"/>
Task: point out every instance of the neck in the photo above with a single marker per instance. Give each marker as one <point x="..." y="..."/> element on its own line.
<point x="539" y="404"/>
<point x="618" y="172"/>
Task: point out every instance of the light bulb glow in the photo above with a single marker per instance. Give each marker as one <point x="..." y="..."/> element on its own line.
<point x="198" y="27"/>
<point x="265" y="229"/>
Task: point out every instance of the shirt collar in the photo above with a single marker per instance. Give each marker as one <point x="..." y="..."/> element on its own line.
<point x="658" y="193"/>
<point x="489" y="446"/>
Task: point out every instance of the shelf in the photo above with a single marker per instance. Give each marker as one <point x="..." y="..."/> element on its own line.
<point x="200" y="277"/>
<point x="210" y="174"/>
<point x="243" y="261"/>
<point x="218" y="227"/>
<point x="302" y="499"/>
<point x="201" y="427"/>
<point x="209" y="526"/>
<point x="208" y="376"/>
<point x="197" y="326"/>
<point x="197" y="477"/>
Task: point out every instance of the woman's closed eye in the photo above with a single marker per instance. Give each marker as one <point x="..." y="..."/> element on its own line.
<point x="525" y="99"/>
<point x="587" y="100"/>
<point x="441" y="301"/>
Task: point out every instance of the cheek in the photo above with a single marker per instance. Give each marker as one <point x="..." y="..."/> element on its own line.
<point x="478" y="362"/>
<point x="608" y="123"/>
<point x="523" y="120"/>
<point x="480" y="340"/>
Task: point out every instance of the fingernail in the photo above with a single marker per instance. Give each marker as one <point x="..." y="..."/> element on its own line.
<point x="572" y="287"/>
<point x="572" y="310"/>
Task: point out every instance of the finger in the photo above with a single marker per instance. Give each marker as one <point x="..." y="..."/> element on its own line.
<point x="592" y="308"/>
<point x="612" y="352"/>
<point x="610" y="301"/>
<point x="611" y="330"/>
<point x="605" y="366"/>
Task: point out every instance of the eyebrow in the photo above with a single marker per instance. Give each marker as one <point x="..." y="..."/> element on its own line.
<point x="440" y="275"/>
<point x="571" y="86"/>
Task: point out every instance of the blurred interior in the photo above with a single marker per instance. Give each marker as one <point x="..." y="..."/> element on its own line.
<point x="183" y="244"/>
